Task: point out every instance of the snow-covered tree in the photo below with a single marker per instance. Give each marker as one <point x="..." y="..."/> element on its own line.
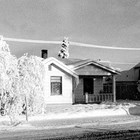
<point x="21" y="83"/>
<point x="9" y="76"/>
<point x="31" y="73"/>
<point x="64" y="51"/>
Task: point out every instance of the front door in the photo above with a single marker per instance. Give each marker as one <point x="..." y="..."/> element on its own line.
<point x="88" y="85"/>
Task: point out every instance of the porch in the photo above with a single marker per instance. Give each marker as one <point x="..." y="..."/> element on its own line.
<point x="104" y="95"/>
<point x="91" y="83"/>
<point x="92" y="90"/>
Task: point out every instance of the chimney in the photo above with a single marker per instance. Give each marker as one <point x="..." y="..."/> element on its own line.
<point x="44" y="54"/>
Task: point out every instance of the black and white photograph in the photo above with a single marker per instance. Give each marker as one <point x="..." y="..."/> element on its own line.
<point x="69" y="69"/>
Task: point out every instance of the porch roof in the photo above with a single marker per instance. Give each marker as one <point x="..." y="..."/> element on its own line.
<point x="75" y="64"/>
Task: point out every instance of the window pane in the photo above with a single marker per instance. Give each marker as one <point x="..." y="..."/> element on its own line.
<point x="56" y="85"/>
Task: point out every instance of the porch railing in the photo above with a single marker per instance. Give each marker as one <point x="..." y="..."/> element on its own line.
<point x="91" y="98"/>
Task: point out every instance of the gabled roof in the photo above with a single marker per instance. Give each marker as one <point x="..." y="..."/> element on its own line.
<point x="137" y="66"/>
<point x="77" y="63"/>
<point x="60" y="65"/>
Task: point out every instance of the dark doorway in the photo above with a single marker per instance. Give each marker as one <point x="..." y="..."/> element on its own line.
<point x="88" y="85"/>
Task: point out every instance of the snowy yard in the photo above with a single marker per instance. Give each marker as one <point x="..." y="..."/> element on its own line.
<point x="58" y="112"/>
<point x="88" y="110"/>
<point x="82" y="110"/>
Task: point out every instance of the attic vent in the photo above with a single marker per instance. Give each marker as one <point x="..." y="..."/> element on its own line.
<point x="50" y="67"/>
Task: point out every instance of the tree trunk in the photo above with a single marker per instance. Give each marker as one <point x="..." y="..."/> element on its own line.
<point x="26" y="103"/>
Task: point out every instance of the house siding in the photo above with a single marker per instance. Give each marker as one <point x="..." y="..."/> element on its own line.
<point x="98" y="85"/>
<point x="79" y="95"/>
<point x="91" y="70"/>
<point x="66" y="96"/>
<point x="130" y="75"/>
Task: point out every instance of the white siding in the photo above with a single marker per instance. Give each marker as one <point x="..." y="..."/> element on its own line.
<point x="66" y="96"/>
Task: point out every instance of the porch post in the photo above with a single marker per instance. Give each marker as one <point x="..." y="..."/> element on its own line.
<point x="73" y="97"/>
<point x="86" y="95"/>
<point x="114" y="88"/>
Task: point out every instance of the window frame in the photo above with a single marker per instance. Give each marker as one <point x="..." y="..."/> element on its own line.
<point x="55" y="82"/>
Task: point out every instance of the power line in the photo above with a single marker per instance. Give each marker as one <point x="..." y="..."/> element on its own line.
<point x="103" y="47"/>
<point x="31" y="41"/>
<point x="71" y="43"/>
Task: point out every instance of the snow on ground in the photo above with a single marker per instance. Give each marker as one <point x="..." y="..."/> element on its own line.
<point x="70" y="112"/>
<point x="79" y="111"/>
<point x="86" y="110"/>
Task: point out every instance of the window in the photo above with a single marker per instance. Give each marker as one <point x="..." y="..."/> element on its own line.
<point x="56" y="85"/>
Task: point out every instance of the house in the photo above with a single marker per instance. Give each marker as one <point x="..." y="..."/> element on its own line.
<point x="76" y="81"/>
<point x="131" y="75"/>
<point x="127" y="83"/>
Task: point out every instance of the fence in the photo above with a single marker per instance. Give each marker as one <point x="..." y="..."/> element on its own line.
<point x="127" y="91"/>
<point x="90" y="98"/>
<point x="124" y="90"/>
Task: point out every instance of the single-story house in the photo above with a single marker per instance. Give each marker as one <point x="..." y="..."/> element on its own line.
<point x="76" y="81"/>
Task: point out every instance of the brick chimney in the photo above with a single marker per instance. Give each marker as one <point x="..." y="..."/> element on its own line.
<point x="44" y="54"/>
